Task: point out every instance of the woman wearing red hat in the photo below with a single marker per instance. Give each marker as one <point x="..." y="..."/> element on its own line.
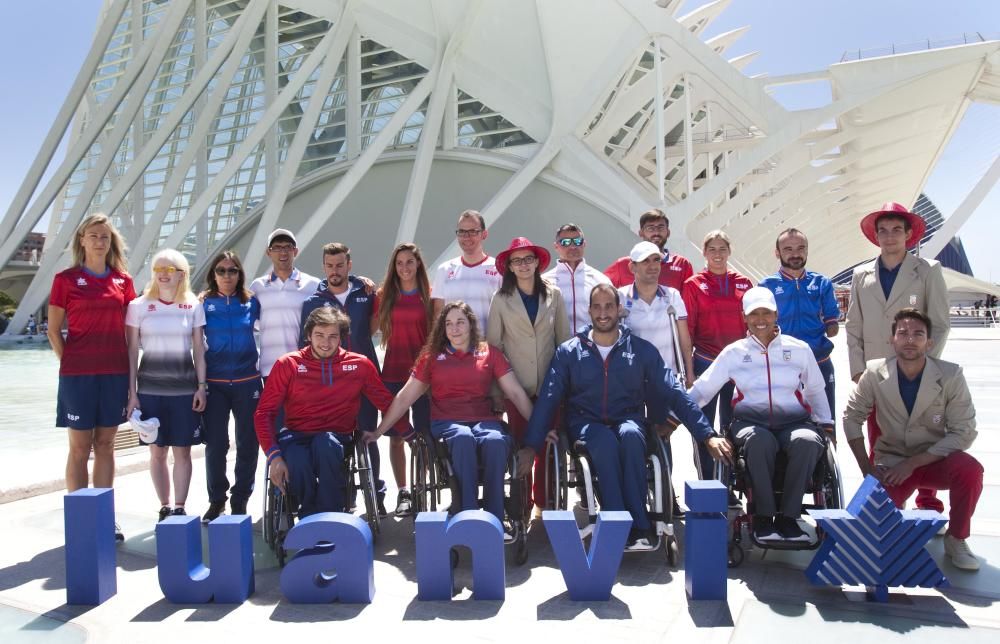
<point x="527" y="322"/>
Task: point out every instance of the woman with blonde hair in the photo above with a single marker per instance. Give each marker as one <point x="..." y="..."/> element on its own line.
<point x="167" y="322"/>
<point x="91" y="297"/>
<point x="403" y="312"/>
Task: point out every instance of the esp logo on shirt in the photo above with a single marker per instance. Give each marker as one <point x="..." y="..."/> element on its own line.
<point x="350" y="367"/>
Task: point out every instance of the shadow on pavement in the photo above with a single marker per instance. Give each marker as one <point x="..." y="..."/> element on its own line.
<point x="561" y="607"/>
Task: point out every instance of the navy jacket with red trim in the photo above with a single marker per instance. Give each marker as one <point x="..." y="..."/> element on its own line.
<point x="631" y="384"/>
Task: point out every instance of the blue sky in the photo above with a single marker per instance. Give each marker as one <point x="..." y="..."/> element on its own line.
<point x="791" y="36"/>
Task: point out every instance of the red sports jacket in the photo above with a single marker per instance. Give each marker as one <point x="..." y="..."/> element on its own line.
<point x="715" y="310"/>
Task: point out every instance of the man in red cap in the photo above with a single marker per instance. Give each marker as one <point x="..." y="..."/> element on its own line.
<point x="880" y="289"/>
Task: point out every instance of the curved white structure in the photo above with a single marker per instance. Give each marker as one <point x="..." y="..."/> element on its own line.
<point x="204" y="124"/>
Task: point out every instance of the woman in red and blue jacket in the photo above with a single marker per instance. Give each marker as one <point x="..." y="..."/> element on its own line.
<point x="233" y="380"/>
<point x="714" y="299"/>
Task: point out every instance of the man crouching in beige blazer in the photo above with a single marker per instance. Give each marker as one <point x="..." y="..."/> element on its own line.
<point x="928" y="422"/>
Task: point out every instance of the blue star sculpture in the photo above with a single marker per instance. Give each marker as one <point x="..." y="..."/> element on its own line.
<point x="873" y="543"/>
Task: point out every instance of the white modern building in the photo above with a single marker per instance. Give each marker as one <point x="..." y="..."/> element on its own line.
<point x="204" y="124"/>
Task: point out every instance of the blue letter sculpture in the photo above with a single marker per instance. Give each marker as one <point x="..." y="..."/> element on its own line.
<point x="588" y="576"/>
<point x="184" y="579"/>
<point x="873" y="543"/>
<point x="705" y="553"/>
<point x="437" y="534"/>
<point x="328" y="542"/>
<point x="89" y="528"/>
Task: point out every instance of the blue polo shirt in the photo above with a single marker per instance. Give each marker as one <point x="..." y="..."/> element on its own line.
<point x="358" y="306"/>
<point x="887" y="277"/>
<point x="908" y="389"/>
<point x="805" y="306"/>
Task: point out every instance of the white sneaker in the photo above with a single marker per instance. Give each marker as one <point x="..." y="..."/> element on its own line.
<point x="959" y="553"/>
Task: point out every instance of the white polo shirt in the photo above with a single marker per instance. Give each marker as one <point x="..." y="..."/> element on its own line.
<point x="475" y="285"/>
<point x="280" y="313"/>
<point x="576" y="286"/>
<point x="165" y="337"/>
<point x="651" y="322"/>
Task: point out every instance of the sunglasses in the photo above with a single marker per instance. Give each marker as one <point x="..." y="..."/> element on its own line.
<point x="566" y="242"/>
<point x="222" y="272"/>
<point x="169" y="270"/>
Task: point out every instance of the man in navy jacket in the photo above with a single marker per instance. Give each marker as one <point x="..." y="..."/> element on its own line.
<point x="354" y="296"/>
<point x="611" y="382"/>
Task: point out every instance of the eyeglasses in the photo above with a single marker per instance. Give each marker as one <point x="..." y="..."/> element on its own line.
<point x="468" y="232"/>
<point x="566" y="242"/>
<point x="222" y="272"/>
<point x="168" y="270"/>
<point x="282" y="248"/>
<point x="656" y="228"/>
<point x="527" y="260"/>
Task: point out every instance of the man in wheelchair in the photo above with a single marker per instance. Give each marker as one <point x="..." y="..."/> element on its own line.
<point x="320" y="388"/>
<point x="608" y="379"/>
<point x="780" y="402"/>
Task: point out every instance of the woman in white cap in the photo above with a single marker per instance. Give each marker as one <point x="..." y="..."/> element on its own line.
<point x="527" y="322"/>
<point x="167" y="322"/>
<point x="780" y="402"/>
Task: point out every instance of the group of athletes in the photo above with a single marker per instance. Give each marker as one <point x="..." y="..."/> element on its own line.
<point x="603" y="356"/>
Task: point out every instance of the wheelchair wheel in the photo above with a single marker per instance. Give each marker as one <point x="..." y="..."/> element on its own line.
<point x="672" y="551"/>
<point x="556" y="473"/>
<point x="367" y="482"/>
<point x="422" y="478"/>
<point x="736" y="555"/>
<point x="834" y="483"/>
<point x="277" y="521"/>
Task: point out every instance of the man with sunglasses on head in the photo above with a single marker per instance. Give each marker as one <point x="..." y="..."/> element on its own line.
<point x="654" y="227"/>
<point x="573" y="276"/>
<point x="471" y="277"/>
<point x="281" y="293"/>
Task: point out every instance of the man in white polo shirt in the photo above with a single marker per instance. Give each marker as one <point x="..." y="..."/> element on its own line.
<point x="647" y="307"/>
<point x="472" y="276"/>
<point x="574" y="278"/>
<point x="281" y="293"/>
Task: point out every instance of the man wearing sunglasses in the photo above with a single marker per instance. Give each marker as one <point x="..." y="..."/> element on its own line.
<point x="574" y="278"/>
<point x="471" y="277"/>
<point x="654" y="227"/>
<point x="281" y="293"/>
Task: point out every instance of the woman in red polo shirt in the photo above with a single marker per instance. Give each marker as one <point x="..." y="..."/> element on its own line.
<point x="403" y="310"/>
<point x="91" y="297"/>
<point x="713" y="299"/>
<point x="460" y="369"/>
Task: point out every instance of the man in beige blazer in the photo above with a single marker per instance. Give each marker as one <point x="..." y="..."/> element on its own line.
<point x="928" y="422"/>
<point x="894" y="280"/>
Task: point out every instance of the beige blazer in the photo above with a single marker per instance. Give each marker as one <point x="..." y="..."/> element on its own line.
<point x="529" y="347"/>
<point x="943" y="419"/>
<point x="919" y="284"/>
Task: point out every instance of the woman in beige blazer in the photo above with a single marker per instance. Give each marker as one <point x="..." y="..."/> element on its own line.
<point x="527" y="322"/>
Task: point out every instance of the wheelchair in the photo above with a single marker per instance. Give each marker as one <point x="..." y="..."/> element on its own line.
<point x="280" y="509"/>
<point x="825" y="485"/>
<point x="569" y="467"/>
<point x="431" y="473"/>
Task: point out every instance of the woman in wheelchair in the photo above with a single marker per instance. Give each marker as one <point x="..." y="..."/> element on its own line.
<point x="320" y="388"/>
<point x="459" y="369"/>
<point x="781" y="400"/>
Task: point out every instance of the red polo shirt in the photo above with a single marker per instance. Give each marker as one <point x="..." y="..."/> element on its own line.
<point x="461" y="382"/>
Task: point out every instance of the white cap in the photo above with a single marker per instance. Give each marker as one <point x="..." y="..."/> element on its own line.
<point x="281" y="232"/>
<point x="147" y="429"/>
<point x="643" y="250"/>
<point x="759" y="298"/>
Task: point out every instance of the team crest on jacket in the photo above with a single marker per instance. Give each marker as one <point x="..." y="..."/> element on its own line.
<point x="81" y="282"/>
<point x="210" y="307"/>
<point x="747" y="358"/>
<point x="913" y="300"/>
<point x="936" y="419"/>
<point x="441" y="357"/>
<point x="786" y="355"/>
<point x="779" y="290"/>
<point x="302" y="369"/>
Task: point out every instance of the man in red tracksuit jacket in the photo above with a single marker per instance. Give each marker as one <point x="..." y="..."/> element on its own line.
<point x="320" y="388"/>
<point x="713" y="299"/>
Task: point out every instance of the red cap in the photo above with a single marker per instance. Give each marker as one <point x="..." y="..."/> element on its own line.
<point x="523" y="243"/>
<point x="917" y="223"/>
